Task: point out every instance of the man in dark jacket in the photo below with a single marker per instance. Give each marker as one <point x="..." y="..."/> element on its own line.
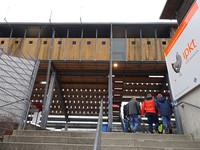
<point x="134" y="111"/>
<point x="165" y="108"/>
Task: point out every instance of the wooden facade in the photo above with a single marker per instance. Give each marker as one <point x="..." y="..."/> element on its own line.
<point x="82" y="56"/>
<point x="146" y="49"/>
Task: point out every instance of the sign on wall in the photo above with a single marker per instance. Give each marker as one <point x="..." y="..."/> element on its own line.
<point x="183" y="54"/>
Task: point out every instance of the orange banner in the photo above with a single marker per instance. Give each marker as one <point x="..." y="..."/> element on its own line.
<point x="182" y="27"/>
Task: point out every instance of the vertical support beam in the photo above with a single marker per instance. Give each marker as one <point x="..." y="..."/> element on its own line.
<point x="8" y="48"/>
<point x="126" y="44"/>
<point x="110" y="93"/>
<point x="31" y="85"/>
<point x="1" y="50"/>
<point x="49" y="67"/>
<point x="156" y="44"/>
<point x="81" y="44"/>
<point x="46" y="108"/>
<point x="67" y="44"/>
<point x="63" y="105"/>
<point x="141" y="58"/>
<point x="22" y="44"/>
<point x="96" y="40"/>
<point x="37" y="45"/>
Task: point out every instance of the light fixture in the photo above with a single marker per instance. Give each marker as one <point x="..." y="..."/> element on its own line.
<point x="43" y="82"/>
<point x="155" y="76"/>
<point x="115" y="65"/>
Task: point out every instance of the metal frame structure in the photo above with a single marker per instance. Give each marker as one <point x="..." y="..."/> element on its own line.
<point x="129" y="72"/>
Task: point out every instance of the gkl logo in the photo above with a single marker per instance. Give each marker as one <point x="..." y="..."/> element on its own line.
<point x="186" y="53"/>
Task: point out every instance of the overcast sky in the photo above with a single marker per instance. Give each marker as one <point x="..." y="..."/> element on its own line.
<point x="87" y="10"/>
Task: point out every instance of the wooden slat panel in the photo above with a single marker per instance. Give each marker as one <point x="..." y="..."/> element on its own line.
<point x="142" y="87"/>
<point x="133" y="49"/>
<point x="138" y="79"/>
<point x="15" y="46"/>
<point x="40" y="97"/>
<point x="44" y="48"/>
<point x="103" y="51"/>
<point x="59" y="49"/>
<point x="148" y="49"/>
<point x="73" y="50"/>
<point x="88" y="50"/>
<point x="74" y="92"/>
<point x="85" y="86"/>
<point x="84" y="79"/>
<point x="162" y="44"/>
<point x="4" y="44"/>
<point x="30" y="49"/>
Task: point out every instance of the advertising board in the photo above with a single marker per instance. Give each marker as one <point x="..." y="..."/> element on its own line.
<point x="183" y="54"/>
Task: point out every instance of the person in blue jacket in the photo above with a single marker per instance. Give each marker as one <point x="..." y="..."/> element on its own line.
<point x="165" y="109"/>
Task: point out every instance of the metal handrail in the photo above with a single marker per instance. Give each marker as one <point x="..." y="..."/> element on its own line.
<point x="188" y="104"/>
<point x="122" y="121"/>
<point x="97" y="141"/>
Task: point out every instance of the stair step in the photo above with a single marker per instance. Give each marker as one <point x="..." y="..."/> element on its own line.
<point x="43" y="146"/>
<point x="105" y="141"/>
<point x="82" y="140"/>
<point x="54" y="133"/>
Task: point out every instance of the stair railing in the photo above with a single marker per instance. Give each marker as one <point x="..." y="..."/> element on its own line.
<point x="187" y="104"/>
<point x="97" y="141"/>
<point x="122" y="121"/>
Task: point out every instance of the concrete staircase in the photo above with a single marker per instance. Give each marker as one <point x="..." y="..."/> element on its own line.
<point x="76" y="140"/>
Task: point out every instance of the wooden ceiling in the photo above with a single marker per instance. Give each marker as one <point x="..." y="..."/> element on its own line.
<point x="84" y="84"/>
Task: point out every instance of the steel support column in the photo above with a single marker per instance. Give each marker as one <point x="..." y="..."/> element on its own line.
<point x="156" y="37"/>
<point x="60" y="95"/>
<point x="8" y="48"/>
<point x="110" y="91"/>
<point x="46" y="108"/>
<point x="141" y="56"/>
<point x="81" y="44"/>
<point x="49" y="67"/>
<point x="31" y="85"/>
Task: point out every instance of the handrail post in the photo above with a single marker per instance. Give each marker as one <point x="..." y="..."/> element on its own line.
<point x="97" y="141"/>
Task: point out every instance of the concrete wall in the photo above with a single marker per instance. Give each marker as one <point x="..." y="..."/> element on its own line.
<point x="189" y="114"/>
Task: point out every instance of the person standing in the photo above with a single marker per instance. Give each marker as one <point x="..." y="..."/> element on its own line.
<point x="151" y="112"/>
<point x="165" y="108"/>
<point x="126" y="118"/>
<point x="134" y="111"/>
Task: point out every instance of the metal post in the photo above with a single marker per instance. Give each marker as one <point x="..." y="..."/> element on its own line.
<point x="31" y="85"/>
<point x="125" y="44"/>
<point x="49" y="67"/>
<point x="156" y="44"/>
<point x="67" y="44"/>
<point x="96" y="40"/>
<point x="141" y="58"/>
<point x="22" y="43"/>
<point x="81" y="44"/>
<point x="63" y="105"/>
<point x="110" y="96"/>
<point x="37" y="44"/>
<point x="8" y="48"/>
<point x="46" y="108"/>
